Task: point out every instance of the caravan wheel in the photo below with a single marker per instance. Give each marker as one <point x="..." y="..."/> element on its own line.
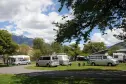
<point x="109" y="64"/>
<point x="93" y="64"/>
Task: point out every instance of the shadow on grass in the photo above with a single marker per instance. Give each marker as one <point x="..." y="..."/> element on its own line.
<point x="23" y="79"/>
<point x="92" y="69"/>
<point x="89" y="76"/>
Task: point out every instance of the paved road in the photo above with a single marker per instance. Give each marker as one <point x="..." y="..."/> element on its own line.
<point x="17" y="70"/>
<point x="81" y="74"/>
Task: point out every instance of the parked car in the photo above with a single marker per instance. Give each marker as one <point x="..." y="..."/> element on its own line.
<point x="47" y="61"/>
<point x="63" y="59"/>
<point x="19" y="59"/>
<point x="100" y="59"/>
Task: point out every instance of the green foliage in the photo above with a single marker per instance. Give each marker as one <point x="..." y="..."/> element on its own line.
<point x="56" y="47"/>
<point x="36" y="54"/>
<point x="113" y="49"/>
<point x="72" y="50"/>
<point x="93" y="47"/>
<point x="7" y="46"/>
<point x="88" y="15"/>
<point x="23" y="49"/>
<point x="38" y="43"/>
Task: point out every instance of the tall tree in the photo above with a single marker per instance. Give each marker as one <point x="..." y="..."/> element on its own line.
<point x="93" y="47"/>
<point x="7" y="45"/>
<point x="38" y="43"/>
<point x="57" y="47"/>
<point x="88" y="15"/>
<point x="113" y="49"/>
<point x="74" y="50"/>
<point x="36" y="54"/>
<point x="23" y="49"/>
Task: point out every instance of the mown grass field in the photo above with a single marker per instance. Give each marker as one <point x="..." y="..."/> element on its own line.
<point x="74" y="66"/>
<point x="21" y="79"/>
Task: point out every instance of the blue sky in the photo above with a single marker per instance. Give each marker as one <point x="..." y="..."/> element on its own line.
<point x="33" y="18"/>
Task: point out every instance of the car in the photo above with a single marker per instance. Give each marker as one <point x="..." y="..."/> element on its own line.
<point x="49" y="61"/>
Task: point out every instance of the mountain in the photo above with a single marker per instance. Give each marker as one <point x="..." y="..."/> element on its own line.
<point x="22" y="40"/>
<point x="121" y="45"/>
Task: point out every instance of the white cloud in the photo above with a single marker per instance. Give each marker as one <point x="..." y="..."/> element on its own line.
<point x="108" y="38"/>
<point x="29" y="16"/>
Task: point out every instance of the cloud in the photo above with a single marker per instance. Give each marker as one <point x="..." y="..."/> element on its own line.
<point x="30" y="16"/>
<point x="108" y="38"/>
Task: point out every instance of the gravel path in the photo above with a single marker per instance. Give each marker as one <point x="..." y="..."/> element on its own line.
<point x="17" y="70"/>
<point x="79" y="74"/>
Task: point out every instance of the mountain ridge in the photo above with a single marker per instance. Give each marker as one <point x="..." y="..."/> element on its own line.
<point x="22" y="40"/>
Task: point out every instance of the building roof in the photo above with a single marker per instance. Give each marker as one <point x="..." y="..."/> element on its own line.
<point x="121" y="50"/>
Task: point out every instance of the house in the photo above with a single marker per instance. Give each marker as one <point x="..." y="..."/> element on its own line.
<point x="120" y="55"/>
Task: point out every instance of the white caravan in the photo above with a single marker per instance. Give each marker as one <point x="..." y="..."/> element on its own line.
<point x="20" y="59"/>
<point x="120" y="55"/>
<point x="47" y="61"/>
<point x="63" y="59"/>
<point x="102" y="59"/>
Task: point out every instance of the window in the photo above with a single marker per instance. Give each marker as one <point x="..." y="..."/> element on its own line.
<point x="54" y="58"/>
<point x="46" y="58"/>
<point x="40" y="58"/>
<point x="104" y="57"/>
<point x="116" y="56"/>
<point x="99" y="57"/>
<point x="20" y="59"/>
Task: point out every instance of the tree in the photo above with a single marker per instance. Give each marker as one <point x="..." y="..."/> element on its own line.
<point x="113" y="49"/>
<point x="88" y="15"/>
<point x="38" y="43"/>
<point x="23" y="49"/>
<point x="7" y="46"/>
<point x="74" y="50"/>
<point x="56" y="47"/>
<point x="93" y="47"/>
<point x="36" y="54"/>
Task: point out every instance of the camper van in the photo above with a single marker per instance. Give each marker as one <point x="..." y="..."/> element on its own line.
<point x="63" y="59"/>
<point x="120" y="55"/>
<point x="102" y="59"/>
<point x="20" y="59"/>
<point x="47" y="61"/>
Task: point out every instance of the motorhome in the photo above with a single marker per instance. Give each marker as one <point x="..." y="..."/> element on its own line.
<point x="19" y="59"/>
<point x="102" y="59"/>
<point x="120" y="55"/>
<point x="63" y="59"/>
<point x="51" y="60"/>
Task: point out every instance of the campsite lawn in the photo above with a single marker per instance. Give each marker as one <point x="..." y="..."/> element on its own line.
<point x="74" y="67"/>
<point x="21" y="79"/>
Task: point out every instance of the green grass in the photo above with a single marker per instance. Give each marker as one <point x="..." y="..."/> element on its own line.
<point x="22" y="79"/>
<point x="5" y="65"/>
<point x="75" y="67"/>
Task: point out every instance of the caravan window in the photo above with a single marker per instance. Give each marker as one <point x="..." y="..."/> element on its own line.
<point x="104" y="57"/>
<point x="116" y="56"/>
<point x="54" y="58"/>
<point x="20" y="59"/>
<point x="99" y="57"/>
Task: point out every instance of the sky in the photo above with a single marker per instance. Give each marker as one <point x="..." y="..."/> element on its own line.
<point x="33" y="18"/>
